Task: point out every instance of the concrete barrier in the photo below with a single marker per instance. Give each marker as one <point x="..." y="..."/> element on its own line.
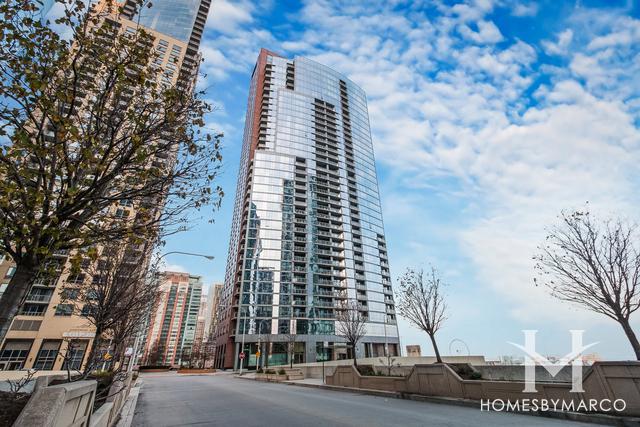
<point x="71" y="404"/>
<point x="605" y="380"/>
<point x="62" y="405"/>
<point x="401" y="365"/>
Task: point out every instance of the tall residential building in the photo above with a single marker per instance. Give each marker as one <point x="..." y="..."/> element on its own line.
<point x="307" y="234"/>
<point x="173" y="323"/>
<point x="45" y="326"/>
<point x="200" y="336"/>
<point x="213" y="302"/>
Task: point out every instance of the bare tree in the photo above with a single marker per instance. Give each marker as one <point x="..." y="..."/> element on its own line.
<point x="68" y="356"/>
<point x="290" y="342"/>
<point x="16" y="386"/>
<point x="114" y="288"/>
<point x="87" y="124"/>
<point x="594" y="264"/>
<point x="421" y="302"/>
<point x="351" y="325"/>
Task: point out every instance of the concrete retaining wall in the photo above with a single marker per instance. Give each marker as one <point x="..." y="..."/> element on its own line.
<point x="314" y="370"/>
<point x="71" y="405"/>
<point x="516" y="373"/>
<point x="605" y="380"/>
<point x="60" y="405"/>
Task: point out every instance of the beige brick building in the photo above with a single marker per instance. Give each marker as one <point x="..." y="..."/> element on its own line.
<point x="41" y="332"/>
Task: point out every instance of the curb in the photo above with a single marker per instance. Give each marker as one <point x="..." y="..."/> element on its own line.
<point x="129" y="407"/>
<point x="569" y="416"/>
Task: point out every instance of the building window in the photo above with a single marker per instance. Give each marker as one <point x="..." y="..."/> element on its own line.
<point x="25" y="325"/>
<point x="69" y="294"/>
<point x="33" y="309"/>
<point x="14" y="354"/>
<point x="64" y="310"/>
<point x="47" y="355"/>
<point x="75" y="355"/>
<point x="76" y="279"/>
<point x="88" y="310"/>
<point x="10" y="272"/>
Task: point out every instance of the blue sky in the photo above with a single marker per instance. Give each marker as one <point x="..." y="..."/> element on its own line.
<point x="488" y="118"/>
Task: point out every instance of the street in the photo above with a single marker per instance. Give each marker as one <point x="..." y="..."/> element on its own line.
<point x="176" y="400"/>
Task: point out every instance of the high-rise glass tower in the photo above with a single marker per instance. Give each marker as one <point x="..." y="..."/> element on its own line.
<point x="307" y="235"/>
<point x="183" y="20"/>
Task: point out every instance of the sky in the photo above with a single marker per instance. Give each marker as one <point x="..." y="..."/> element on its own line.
<point x="488" y="119"/>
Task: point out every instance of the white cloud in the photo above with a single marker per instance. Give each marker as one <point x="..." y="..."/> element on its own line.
<point x="487" y="33"/>
<point x="176" y="268"/>
<point x="560" y="47"/>
<point x="522" y="9"/>
<point x="467" y="117"/>
<point x="226" y="17"/>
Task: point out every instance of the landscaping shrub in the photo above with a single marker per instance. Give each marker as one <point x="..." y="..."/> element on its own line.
<point x="366" y="370"/>
<point x="259" y="371"/>
<point x="282" y="372"/>
<point x="142" y="368"/>
<point x="10" y="406"/>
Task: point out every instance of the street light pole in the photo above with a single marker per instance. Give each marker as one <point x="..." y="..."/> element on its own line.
<point x="209" y="257"/>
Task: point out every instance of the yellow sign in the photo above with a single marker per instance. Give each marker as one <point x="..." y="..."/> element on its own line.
<point x="107" y="356"/>
<point x="258" y="353"/>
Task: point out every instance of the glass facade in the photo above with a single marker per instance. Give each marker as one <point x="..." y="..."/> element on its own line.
<point x="308" y="235"/>
<point x="174" y="18"/>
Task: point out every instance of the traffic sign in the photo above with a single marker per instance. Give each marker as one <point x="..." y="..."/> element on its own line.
<point x="258" y="353"/>
<point x="241" y="355"/>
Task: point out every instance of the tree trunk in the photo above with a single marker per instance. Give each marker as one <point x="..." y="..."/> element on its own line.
<point x="435" y="347"/>
<point x="631" y="336"/>
<point x="14" y="295"/>
<point x="355" y="357"/>
<point x="90" y="365"/>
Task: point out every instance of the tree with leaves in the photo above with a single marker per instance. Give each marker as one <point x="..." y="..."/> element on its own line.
<point x="351" y="325"/>
<point x="594" y="264"/>
<point x="88" y="123"/>
<point x="421" y="302"/>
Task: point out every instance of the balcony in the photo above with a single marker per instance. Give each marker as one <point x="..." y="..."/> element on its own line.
<point x="323" y="303"/>
<point x="38" y="298"/>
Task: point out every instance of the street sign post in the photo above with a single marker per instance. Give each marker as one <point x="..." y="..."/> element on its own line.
<point x="241" y="356"/>
<point x="325" y="346"/>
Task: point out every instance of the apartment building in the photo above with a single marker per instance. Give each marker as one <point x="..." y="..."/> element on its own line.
<point x="307" y="237"/>
<point x="45" y="327"/>
<point x="174" y="322"/>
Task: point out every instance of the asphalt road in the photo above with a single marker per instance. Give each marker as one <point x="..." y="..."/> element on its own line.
<point x="222" y="400"/>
